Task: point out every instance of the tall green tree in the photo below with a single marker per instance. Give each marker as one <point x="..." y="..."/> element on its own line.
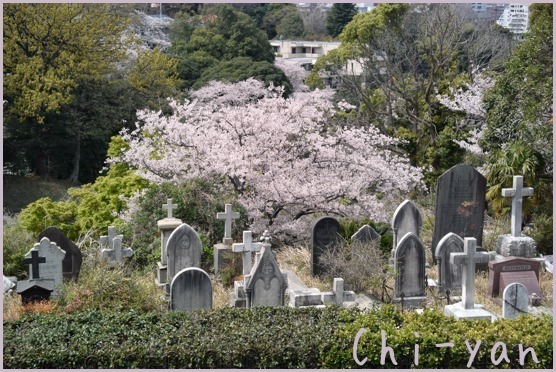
<point x="338" y="17"/>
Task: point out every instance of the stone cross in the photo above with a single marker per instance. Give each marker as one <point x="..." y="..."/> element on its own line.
<point x="114" y="253"/>
<point x="517" y="192"/>
<point x="227" y="215"/>
<point x="246" y="248"/>
<point x="468" y="259"/>
<point x="34" y="261"/>
<point x="169" y="207"/>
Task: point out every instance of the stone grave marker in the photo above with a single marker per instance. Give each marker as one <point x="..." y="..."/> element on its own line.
<point x="467" y="309"/>
<point x="265" y="285"/>
<point x="114" y="253"/>
<point x="327" y="233"/>
<point x="166" y="226"/>
<point x="406" y="219"/>
<point x="409" y="266"/>
<point x="449" y="274"/>
<point x="227" y="216"/>
<point x="460" y="204"/>
<point x="71" y="264"/>
<point x="515" y="244"/>
<point x="191" y="289"/>
<point x="513" y="270"/>
<point x="184" y="250"/>
<point x="365" y="234"/>
<point x="50" y="256"/>
<point x="515" y="301"/>
<point x="247" y="248"/>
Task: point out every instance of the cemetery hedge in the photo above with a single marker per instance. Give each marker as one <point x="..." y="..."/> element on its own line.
<point x="263" y="338"/>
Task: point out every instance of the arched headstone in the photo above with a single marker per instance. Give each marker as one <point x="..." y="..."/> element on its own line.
<point x="191" y="289"/>
<point x="406" y="219"/>
<point x="449" y="275"/>
<point x="184" y="250"/>
<point x="71" y="264"/>
<point x="409" y="265"/>
<point x="327" y="233"/>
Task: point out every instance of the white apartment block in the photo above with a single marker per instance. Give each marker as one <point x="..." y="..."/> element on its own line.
<point x="515" y="18"/>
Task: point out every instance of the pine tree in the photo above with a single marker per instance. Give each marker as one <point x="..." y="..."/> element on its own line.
<point x="340" y="15"/>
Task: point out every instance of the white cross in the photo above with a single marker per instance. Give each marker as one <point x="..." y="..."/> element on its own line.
<point x="246" y="248"/>
<point x="169" y="207"/>
<point x="517" y="193"/>
<point x="227" y="215"/>
<point x="114" y="253"/>
<point x="468" y="259"/>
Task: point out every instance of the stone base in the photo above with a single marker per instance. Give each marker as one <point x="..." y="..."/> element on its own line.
<point x="459" y="312"/>
<point x="412" y="302"/>
<point x="219" y="250"/>
<point x="522" y="246"/>
<point x="161" y="273"/>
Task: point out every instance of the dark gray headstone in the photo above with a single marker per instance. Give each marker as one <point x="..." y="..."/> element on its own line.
<point x="365" y="234"/>
<point x="515" y="301"/>
<point x="406" y="219"/>
<point x="71" y="264"/>
<point x="460" y="204"/>
<point x="409" y="265"/>
<point x="191" y="289"/>
<point x="266" y="285"/>
<point x="327" y="233"/>
<point x="184" y="250"/>
<point x="449" y="275"/>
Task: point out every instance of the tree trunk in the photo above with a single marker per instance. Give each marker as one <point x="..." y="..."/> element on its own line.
<point x="74" y="177"/>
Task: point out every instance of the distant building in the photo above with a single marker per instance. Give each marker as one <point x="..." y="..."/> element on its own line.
<point x="365" y="7"/>
<point x="515" y="18"/>
<point x="488" y="11"/>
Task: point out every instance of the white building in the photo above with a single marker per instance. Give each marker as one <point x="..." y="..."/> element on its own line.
<point x="515" y="18"/>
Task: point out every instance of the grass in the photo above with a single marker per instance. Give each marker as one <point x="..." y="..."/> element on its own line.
<point x="20" y="191"/>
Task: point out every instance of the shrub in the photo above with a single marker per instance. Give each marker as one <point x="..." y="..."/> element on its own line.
<point x="264" y="337"/>
<point x="542" y="233"/>
<point x="44" y="212"/>
<point x="16" y="242"/>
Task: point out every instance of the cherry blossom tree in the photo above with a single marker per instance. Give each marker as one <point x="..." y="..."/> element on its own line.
<point x="285" y="157"/>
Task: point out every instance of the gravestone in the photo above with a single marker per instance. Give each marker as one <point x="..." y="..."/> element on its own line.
<point x="35" y="290"/>
<point x="51" y="257"/>
<point x="114" y="253"/>
<point x="166" y="226"/>
<point x="191" y="289"/>
<point x="184" y="250"/>
<point x="467" y="309"/>
<point x="409" y="266"/>
<point x="227" y="216"/>
<point x="515" y="301"/>
<point x="406" y="219"/>
<point x="515" y="244"/>
<point x="71" y="264"/>
<point x="449" y="275"/>
<point x="265" y="285"/>
<point x="513" y="270"/>
<point x="365" y="234"/>
<point x="327" y="234"/>
<point x="460" y="204"/>
<point x="247" y="248"/>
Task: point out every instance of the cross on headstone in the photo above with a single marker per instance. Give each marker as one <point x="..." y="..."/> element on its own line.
<point x="517" y="192"/>
<point x="115" y="252"/>
<point x="228" y="216"/>
<point x="246" y="248"/>
<point x="34" y="261"/>
<point x="169" y="207"/>
<point x="468" y="259"/>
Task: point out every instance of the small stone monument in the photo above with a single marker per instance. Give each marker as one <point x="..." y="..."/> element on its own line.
<point x="409" y="266"/>
<point x="51" y="267"/>
<point x="313" y="297"/>
<point x="166" y="226"/>
<point x="467" y="309"/>
<point x="327" y="233"/>
<point x="449" y="274"/>
<point x="514" y="270"/>
<point x="365" y="234"/>
<point x="114" y="253"/>
<point x="220" y="250"/>
<point x="184" y="250"/>
<point x="515" y="301"/>
<point x="191" y="289"/>
<point x="515" y="244"/>
<point x="71" y="264"/>
<point x="247" y="248"/>
<point x="266" y="285"/>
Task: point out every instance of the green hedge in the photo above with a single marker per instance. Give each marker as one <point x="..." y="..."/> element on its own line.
<point x="262" y="338"/>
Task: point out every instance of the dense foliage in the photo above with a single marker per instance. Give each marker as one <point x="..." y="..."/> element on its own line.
<point x="265" y="338"/>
